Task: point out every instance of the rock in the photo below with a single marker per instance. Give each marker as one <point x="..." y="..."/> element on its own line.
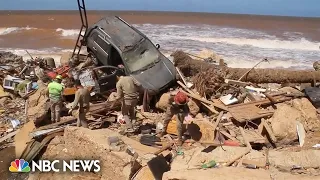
<point x="196" y="157"/>
<point x="283" y="123"/>
<point x="227" y="173"/>
<point x="309" y="114"/>
<point x="38" y="105"/>
<point x="163" y="102"/>
<point x="94" y="145"/>
<point x="290" y="90"/>
<point x="305" y="158"/>
<point x="112" y="96"/>
<point x="199" y="116"/>
<point x="193" y="107"/>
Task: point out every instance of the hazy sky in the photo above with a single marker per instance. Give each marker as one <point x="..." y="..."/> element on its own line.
<point x="267" y="7"/>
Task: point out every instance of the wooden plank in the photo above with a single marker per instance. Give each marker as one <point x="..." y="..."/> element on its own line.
<point x="262" y="102"/>
<point x="22" y="138"/>
<point x="144" y="174"/>
<point x="201" y="131"/>
<point x="198" y="97"/>
<point x="248" y="112"/>
<point x="50" y="126"/>
<point x="8" y="136"/>
<point x="206" y="101"/>
<point x="217" y="121"/>
<point x="253" y="136"/>
<point x="245" y="138"/>
<point x="240" y="83"/>
<point x="182" y="76"/>
<point x="225" y="133"/>
<point x="269" y="131"/>
<point x="38" y="147"/>
<point x="253" y="97"/>
<point x="211" y="109"/>
<point x="238" y="157"/>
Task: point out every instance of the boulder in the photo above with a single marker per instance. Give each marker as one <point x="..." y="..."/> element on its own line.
<point x="284" y="120"/>
<point x="287" y="158"/>
<point x="196" y="157"/>
<point x="227" y="173"/>
<point x="193" y="107"/>
<point x="309" y="114"/>
<point x="283" y="123"/>
<point x="83" y="143"/>
<point x="163" y="102"/>
<point x="38" y="105"/>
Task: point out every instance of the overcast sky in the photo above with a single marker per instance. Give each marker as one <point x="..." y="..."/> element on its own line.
<point x="266" y="7"/>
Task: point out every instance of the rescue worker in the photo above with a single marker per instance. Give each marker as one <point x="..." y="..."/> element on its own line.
<point x="179" y="107"/>
<point x="54" y="91"/>
<point x="81" y="100"/>
<point x="128" y="90"/>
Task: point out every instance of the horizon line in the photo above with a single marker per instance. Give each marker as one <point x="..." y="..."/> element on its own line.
<point x="161" y="11"/>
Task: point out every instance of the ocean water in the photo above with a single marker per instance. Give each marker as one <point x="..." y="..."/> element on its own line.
<point x="239" y="46"/>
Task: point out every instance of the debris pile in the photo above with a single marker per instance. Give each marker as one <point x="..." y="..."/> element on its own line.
<point x="12" y="107"/>
<point x="236" y="119"/>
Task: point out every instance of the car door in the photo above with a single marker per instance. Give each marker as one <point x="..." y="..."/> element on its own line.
<point x="101" y="48"/>
<point x="106" y="78"/>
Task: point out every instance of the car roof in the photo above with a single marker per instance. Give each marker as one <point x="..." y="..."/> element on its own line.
<point x="121" y="33"/>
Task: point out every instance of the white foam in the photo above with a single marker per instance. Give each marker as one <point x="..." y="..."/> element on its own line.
<point x="301" y="44"/>
<point x="273" y="63"/>
<point x="8" y="30"/>
<point x="69" y="32"/>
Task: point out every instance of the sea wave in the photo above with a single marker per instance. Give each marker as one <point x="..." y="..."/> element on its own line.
<point x="8" y="30"/>
<point x="239" y="47"/>
<point x="235" y="62"/>
<point x="298" y="44"/>
<point x="69" y="32"/>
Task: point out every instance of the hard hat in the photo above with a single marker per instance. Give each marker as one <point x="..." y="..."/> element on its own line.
<point x="59" y="77"/>
<point x="180" y="98"/>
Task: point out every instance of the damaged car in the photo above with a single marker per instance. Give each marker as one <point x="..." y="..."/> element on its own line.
<point x="112" y="42"/>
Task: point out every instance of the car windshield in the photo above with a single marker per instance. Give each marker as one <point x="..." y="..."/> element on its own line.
<point x="141" y="56"/>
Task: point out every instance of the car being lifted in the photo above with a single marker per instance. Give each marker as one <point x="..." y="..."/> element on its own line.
<point x="112" y="42"/>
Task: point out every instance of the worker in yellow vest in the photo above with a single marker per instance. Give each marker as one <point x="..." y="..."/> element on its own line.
<point x="54" y="91"/>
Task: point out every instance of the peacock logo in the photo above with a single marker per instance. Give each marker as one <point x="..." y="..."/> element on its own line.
<point x="19" y="165"/>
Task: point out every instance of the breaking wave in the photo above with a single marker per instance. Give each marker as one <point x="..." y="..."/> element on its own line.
<point x="298" y="44"/>
<point x="8" y="30"/>
<point x="238" y="47"/>
<point x="68" y="32"/>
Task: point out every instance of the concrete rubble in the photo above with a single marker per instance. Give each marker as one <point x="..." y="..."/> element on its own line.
<point x="238" y="128"/>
